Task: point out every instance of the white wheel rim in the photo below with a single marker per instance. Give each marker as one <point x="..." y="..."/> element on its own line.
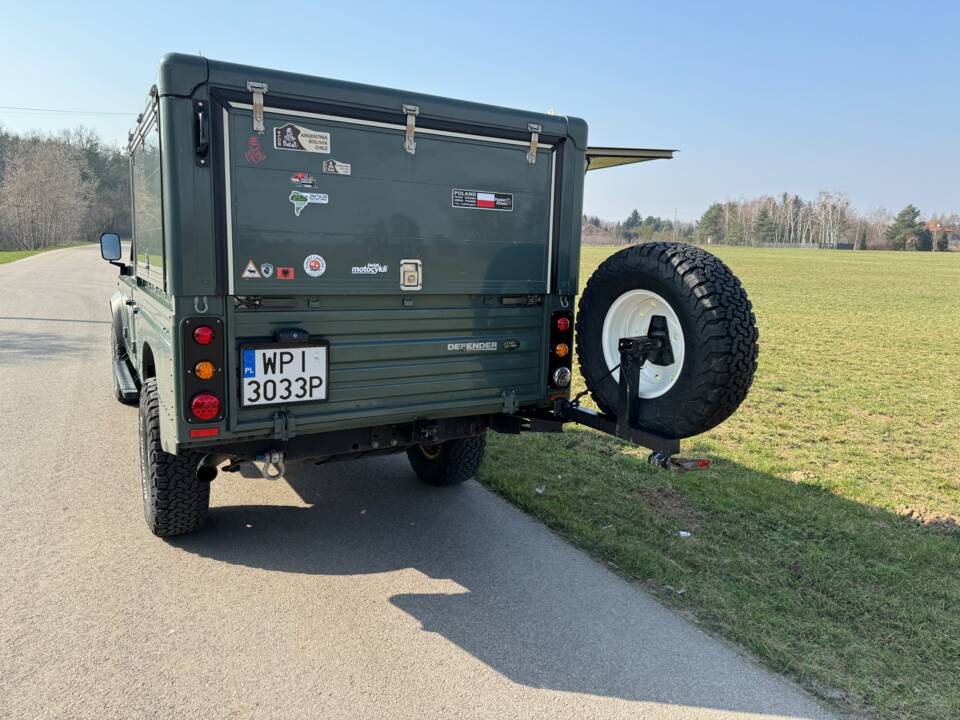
<point x="629" y="316"/>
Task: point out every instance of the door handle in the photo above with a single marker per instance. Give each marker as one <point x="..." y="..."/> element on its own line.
<point x="131" y="302"/>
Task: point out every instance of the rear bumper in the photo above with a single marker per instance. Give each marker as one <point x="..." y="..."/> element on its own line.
<point x="349" y="443"/>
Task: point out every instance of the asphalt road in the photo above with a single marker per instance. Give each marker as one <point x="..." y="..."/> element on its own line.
<point x="347" y="591"/>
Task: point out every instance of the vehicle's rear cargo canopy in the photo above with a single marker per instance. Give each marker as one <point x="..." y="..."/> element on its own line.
<point x="344" y="195"/>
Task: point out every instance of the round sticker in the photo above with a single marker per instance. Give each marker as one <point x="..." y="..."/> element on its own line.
<point x="314" y="265"/>
<point x="266" y="270"/>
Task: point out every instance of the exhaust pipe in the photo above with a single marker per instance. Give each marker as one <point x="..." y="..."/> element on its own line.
<point x="207" y="469"/>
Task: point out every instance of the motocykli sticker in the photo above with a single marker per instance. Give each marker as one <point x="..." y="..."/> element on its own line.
<point x="301" y="199"/>
<point x="335" y="167"/>
<point x="314" y="265"/>
<point x="482" y="200"/>
<point x="371" y="268"/>
<point x="294" y="137"/>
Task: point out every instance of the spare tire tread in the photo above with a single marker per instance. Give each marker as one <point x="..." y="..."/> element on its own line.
<point x="725" y="329"/>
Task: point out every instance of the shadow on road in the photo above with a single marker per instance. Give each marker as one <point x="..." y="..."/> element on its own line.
<point x="38" y="346"/>
<point x="535" y="610"/>
<point x="53" y="320"/>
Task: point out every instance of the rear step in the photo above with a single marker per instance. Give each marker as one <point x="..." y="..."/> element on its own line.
<point x="128" y="386"/>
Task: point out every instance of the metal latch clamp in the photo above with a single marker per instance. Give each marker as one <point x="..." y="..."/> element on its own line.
<point x="534" y="129"/>
<point x="409" y="144"/>
<point x="258" y="89"/>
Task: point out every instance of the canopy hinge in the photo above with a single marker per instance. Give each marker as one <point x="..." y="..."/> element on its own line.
<point x="258" y="89"/>
<point x="411" y="111"/>
<point x="535" y="129"/>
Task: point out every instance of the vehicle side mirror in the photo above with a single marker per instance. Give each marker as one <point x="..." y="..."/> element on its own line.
<point x="110" y="247"/>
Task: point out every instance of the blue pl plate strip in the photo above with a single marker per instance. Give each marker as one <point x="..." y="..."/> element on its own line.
<point x="249" y="363"/>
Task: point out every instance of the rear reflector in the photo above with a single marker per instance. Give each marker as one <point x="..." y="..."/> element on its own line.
<point x="204" y="432"/>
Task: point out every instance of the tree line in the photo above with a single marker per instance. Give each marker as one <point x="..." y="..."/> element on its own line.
<point x="636" y="228"/>
<point x="828" y="221"/>
<point x="788" y="221"/>
<point x="60" y="189"/>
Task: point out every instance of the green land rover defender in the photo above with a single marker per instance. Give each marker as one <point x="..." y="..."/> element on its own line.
<point x="325" y="270"/>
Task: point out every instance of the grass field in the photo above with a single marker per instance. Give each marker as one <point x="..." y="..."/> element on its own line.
<point x="8" y="256"/>
<point x="824" y="537"/>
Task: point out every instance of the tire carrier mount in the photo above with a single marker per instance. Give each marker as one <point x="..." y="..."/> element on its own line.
<point x="634" y="352"/>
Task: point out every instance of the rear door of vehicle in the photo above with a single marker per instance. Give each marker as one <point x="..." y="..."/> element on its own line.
<point x="324" y="213"/>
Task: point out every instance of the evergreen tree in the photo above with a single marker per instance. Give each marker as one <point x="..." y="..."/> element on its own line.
<point x="764" y="230"/>
<point x="634" y="221"/>
<point x="908" y="233"/>
<point x="710" y="228"/>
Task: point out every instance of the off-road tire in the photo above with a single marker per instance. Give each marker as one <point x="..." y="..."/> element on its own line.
<point x="118" y="352"/>
<point x="174" y="501"/>
<point x="449" y="463"/>
<point x="719" y="333"/>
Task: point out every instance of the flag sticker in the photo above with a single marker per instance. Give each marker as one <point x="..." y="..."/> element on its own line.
<point x="482" y="200"/>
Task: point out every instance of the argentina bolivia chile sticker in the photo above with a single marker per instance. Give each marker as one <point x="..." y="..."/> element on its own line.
<point x="482" y="200"/>
<point x="294" y="137"/>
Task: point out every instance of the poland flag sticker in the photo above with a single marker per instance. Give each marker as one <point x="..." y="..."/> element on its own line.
<point x="486" y="200"/>
<point x="482" y="200"/>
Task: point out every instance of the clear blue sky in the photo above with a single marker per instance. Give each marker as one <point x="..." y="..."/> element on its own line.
<point x="760" y="97"/>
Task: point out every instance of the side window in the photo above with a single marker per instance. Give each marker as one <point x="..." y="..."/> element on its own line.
<point x="148" y="207"/>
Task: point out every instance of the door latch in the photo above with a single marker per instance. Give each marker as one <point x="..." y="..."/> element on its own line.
<point x="258" y="89"/>
<point x="411" y="277"/>
<point x="535" y="129"/>
<point x="409" y="144"/>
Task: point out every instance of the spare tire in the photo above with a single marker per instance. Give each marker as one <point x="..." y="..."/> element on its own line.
<point x="707" y="316"/>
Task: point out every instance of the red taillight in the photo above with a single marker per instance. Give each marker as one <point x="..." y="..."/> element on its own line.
<point x="206" y="406"/>
<point x="203" y="335"/>
<point x="204" y="432"/>
<point x="563" y="324"/>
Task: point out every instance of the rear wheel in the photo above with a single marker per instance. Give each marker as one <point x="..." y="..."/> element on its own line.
<point x="174" y="501"/>
<point x="698" y="303"/>
<point x="448" y="463"/>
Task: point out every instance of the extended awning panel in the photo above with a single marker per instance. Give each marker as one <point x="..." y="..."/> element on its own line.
<point x="605" y="157"/>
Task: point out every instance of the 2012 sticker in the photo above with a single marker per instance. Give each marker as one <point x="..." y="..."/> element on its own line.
<point x="301" y="199"/>
<point x="295" y="137"/>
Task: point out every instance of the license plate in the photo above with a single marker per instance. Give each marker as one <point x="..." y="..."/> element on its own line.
<point x="282" y="374"/>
